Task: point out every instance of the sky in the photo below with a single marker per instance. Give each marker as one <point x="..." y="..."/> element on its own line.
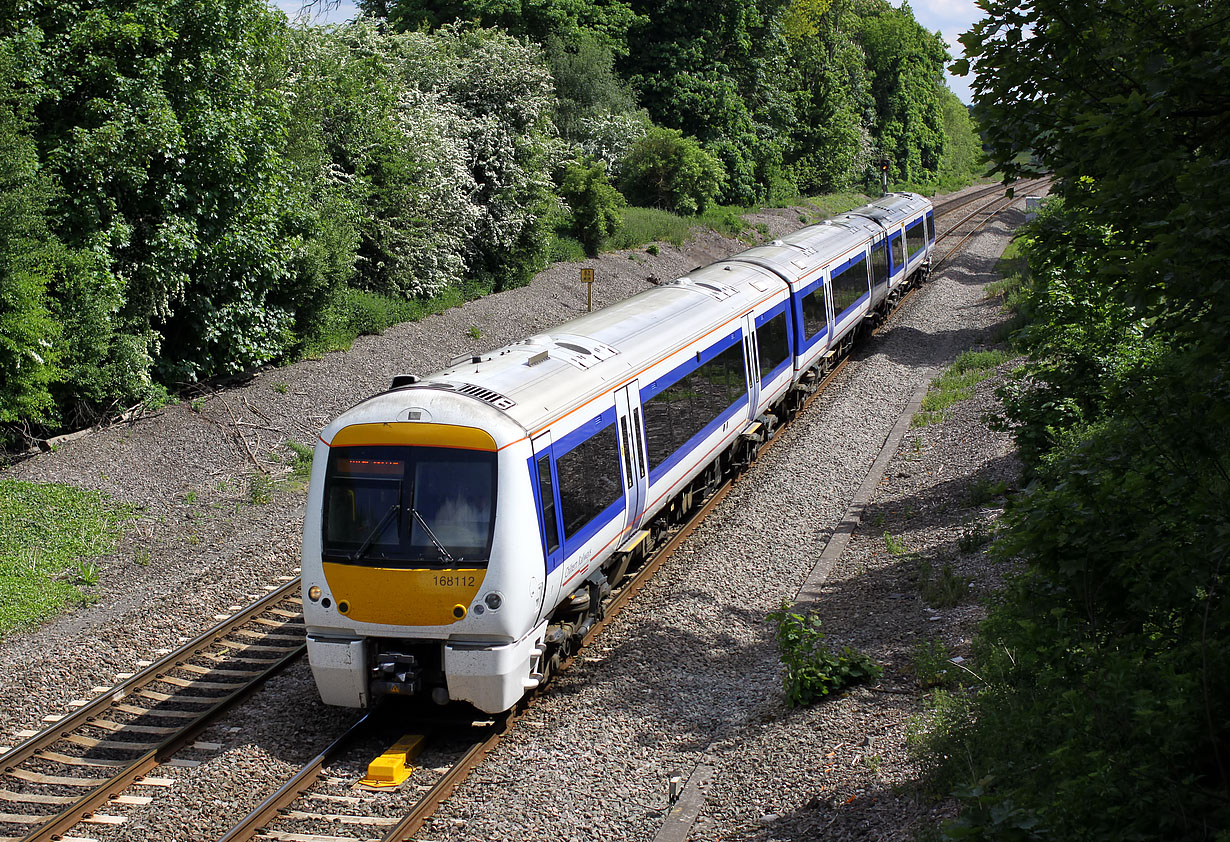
<point x="949" y="17"/>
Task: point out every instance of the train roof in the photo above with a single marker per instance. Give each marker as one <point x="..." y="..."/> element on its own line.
<point x="546" y="376"/>
<point x="892" y="208"/>
<point x="797" y="255"/>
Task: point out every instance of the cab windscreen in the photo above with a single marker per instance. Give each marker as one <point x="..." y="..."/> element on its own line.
<point x="409" y="506"/>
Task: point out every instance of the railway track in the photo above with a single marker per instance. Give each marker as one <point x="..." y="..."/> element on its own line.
<point x="70" y="771"/>
<point x="63" y="776"/>
<point x="980" y="215"/>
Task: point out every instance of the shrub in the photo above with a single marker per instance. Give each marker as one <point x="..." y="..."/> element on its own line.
<point x="664" y="169"/>
<point x="812" y="669"/>
<point x="565" y="249"/>
<point x="595" y="205"/>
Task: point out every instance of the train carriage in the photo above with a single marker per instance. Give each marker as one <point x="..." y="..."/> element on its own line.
<point x="462" y="529"/>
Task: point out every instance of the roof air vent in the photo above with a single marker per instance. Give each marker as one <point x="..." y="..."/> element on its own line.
<point x="487" y="396"/>
<point x="718" y="291"/>
<point x="581" y="351"/>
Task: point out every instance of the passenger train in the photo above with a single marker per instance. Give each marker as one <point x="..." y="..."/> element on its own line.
<point x="463" y="528"/>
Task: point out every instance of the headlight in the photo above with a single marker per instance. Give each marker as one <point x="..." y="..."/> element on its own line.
<point x="494" y="600"/>
<point x="314" y="593"/>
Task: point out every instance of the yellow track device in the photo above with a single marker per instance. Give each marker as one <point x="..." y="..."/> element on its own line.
<point x="391" y="769"/>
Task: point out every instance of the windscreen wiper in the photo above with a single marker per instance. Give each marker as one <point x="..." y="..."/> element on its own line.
<point x="371" y="538"/>
<point x="423" y="522"/>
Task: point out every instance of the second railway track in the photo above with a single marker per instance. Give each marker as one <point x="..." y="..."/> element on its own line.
<point x="67" y="773"/>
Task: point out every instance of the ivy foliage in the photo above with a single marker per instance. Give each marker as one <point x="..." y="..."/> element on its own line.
<point x="1106" y="708"/>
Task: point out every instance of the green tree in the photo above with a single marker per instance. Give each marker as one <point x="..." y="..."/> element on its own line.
<point x="831" y="144"/>
<point x="1108" y="659"/>
<point x="719" y="72"/>
<point x="962" y="157"/>
<point x="536" y="19"/>
<point x="29" y="334"/>
<point x="595" y="205"/>
<point x="501" y="90"/>
<point x="906" y="66"/>
<point x="586" y="84"/>
<point x="667" y="170"/>
<point x="162" y="120"/>
<point x="385" y="162"/>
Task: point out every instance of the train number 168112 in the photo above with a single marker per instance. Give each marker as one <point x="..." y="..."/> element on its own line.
<point x="453" y="581"/>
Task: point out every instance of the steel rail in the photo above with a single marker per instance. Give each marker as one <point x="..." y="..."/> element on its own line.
<point x="290" y="791"/>
<point x="957" y="202"/>
<point x="1001" y="204"/>
<point x="83" y="808"/>
<point x="954" y="204"/>
<point x="453" y="778"/>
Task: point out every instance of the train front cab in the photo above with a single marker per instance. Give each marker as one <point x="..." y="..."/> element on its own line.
<point x="403" y="595"/>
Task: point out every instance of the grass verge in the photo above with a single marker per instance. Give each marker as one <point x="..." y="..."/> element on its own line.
<point x="50" y="537"/>
<point x="1011" y="289"/>
<point x="957" y="384"/>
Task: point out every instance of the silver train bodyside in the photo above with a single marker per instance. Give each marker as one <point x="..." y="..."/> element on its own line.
<point x="463" y="528"/>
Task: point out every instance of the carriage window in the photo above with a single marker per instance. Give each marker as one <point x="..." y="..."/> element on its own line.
<point x="774" y="344"/>
<point x="815" y="319"/>
<point x="915" y="238"/>
<point x="589" y="479"/>
<point x="898" y="246"/>
<point x="849" y="285"/>
<point x="687" y="406"/>
<point x="879" y="263"/>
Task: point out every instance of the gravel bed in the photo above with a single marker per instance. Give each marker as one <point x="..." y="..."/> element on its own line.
<point x="688" y="671"/>
<point x="840" y="769"/>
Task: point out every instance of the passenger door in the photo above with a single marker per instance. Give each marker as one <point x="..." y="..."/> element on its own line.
<point x="751" y="362"/>
<point x="632" y="451"/>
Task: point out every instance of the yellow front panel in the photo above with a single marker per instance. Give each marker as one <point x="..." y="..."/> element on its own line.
<point x="414" y="433"/>
<point x="402" y="597"/>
